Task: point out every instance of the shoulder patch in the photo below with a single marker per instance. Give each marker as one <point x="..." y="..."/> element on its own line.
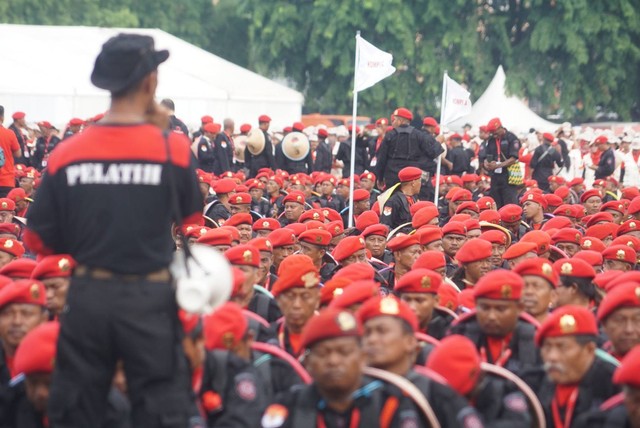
<point x="472" y="421"/>
<point x="203" y="147"/>
<point x="274" y="416"/>
<point x="387" y="211"/>
<point x="516" y="403"/>
<point x="246" y="387"/>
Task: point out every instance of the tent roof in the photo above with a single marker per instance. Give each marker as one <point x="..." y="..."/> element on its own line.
<point x="512" y="111"/>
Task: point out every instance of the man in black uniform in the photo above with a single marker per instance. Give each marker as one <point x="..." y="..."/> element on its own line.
<point x="458" y="160"/>
<point x="405" y="146"/>
<point x="344" y="154"/>
<point x="396" y="210"/>
<point x="122" y="278"/>
<point x="175" y="124"/>
<point x="75" y="126"/>
<point x="224" y="141"/>
<point x="314" y="243"/>
<point x="210" y="159"/>
<point x="501" y="152"/>
<point x="542" y="161"/>
<point x="44" y="146"/>
<point x="18" y="124"/>
<point x="607" y="163"/>
<point x="255" y="163"/>
<point x="324" y="158"/>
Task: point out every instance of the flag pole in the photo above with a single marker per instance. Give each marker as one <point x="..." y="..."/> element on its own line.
<point x="354" y="127"/>
<point x="439" y="164"/>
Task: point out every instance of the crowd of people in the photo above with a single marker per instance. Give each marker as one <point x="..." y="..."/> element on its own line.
<point x="509" y="300"/>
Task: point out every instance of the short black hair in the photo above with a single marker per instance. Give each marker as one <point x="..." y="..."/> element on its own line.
<point x="585" y="339"/>
<point x="168" y="104"/>
<point x="585" y="285"/>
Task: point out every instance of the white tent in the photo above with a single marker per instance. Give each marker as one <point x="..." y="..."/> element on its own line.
<point x="46" y="71"/>
<point x="512" y="111"/>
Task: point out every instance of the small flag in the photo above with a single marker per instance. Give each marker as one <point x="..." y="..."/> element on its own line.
<point x="372" y="65"/>
<point x="457" y="101"/>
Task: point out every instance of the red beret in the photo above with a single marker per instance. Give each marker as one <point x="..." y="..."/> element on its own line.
<point x="336" y="228"/>
<point x="519" y="249"/>
<point x="330" y="323"/>
<point x="240" y="199"/>
<point x="243" y="255"/>
<point x="455" y="228"/>
<point x="428" y="234"/>
<point x="381" y="306"/>
<point x="602" y="230"/>
<point x="419" y="281"/>
<point x="212" y="128"/>
<point x="628" y="240"/>
<point x="76" y="122"/>
<point x="461" y="195"/>
<point x="604" y="280"/>
<point x="470" y="178"/>
<point x="18" y="194"/>
<point x="429" y="121"/>
<point x="332" y="215"/>
<point x="634" y="206"/>
<point x="430" y="260"/>
<point x="266" y="223"/>
<point x="597" y="218"/>
<point x="485" y="203"/>
<point x="322" y="133"/>
<point x="355" y="293"/>
<point x="494" y="124"/>
<point x="11" y="246"/>
<point x="568" y="320"/>
<point x="298" y="126"/>
<point x="29" y="291"/>
<point x="368" y="176"/>
<point x="627" y="226"/>
<point x="223" y="186"/>
<point x="510" y="213"/>
<point x="456" y="359"/>
<point x="55" y="266"/>
<point x="194" y="230"/>
<point x="549" y="137"/>
<point x="10" y="229"/>
<point x="7" y="204"/>
<point x="225" y="327"/>
<point x="575" y="181"/>
<point x="361" y="195"/>
<point x="552" y="200"/>
<point x="206" y="119"/>
<point x="347" y="247"/>
<point x="628" y="373"/>
<point x="297" y="197"/>
<point x="314" y="214"/>
<point x="454" y="179"/>
<point x="557" y="223"/>
<point x="499" y="284"/>
<point x="19" y="268"/>
<point x="467" y="205"/>
<point x="424" y="216"/>
<point x="565" y="210"/>
<point x="296" y="271"/>
<point x="282" y="238"/>
<point x="316" y="237"/>
<point x="538" y="267"/>
<point x="538" y="237"/>
<point x="474" y="250"/>
<point x="495" y="237"/>
<point x="219" y="236"/>
<point x="238" y="219"/>
<point x="556" y="179"/>
<point x="622" y="253"/>
<point x="333" y="288"/>
<point x="401" y="242"/>
<point x="574" y="267"/>
<point x="37" y="350"/>
<point x="376" y="230"/>
<point x="534" y="197"/>
<point x="403" y="112"/>
<point x="590" y="194"/>
<point x="264" y="118"/>
<point x="296" y="228"/>
<point x="489" y="216"/>
<point x="409" y="173"/>
<point x="366" y="219"/>
<point x="613" y="205"/>
<point x="623" y="295"/>
<point x="590" y="243"/>
<point x="18" y="115"/>
<point x="601" y="140"/>
<point x="356" y="271"/>
<point x="261" y="244"/>
<point x="594" y="258"/>
<point x="383" y="121"/>
<point x="567" y="235"/>
<point x="245" y="128"/>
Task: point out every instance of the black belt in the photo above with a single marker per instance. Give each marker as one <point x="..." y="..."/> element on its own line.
<point x="84" y="271"/>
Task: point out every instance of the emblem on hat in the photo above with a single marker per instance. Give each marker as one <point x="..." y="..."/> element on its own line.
<point x="189" y="229"/>
<point x="425" y="282"/>
<point x="547" y="269"/>
<point x="587" y="243"/>
<point x="389" y="305"/>
<point x="5" y="205"/>
<point x="530" y="197"/>
<point x="361" y="241"/>
<point x="267" y="244"/>
<point x="299" y="198"/>
<point x="316" y="216"/>
<point x="265" y="224"/>
<point x="247" y="257"/>
<point x="638" y="292"/>
<point x="318" y="239"/>
<point x="566" y="269"/>
<point x="568" y="324"/>
<point x="620" y="255"/>
<point x="34" y="291"/>
<point x="238" y="199"/>
<point x="310" y="279"/>
<point x="338" y="292"/>
<point x="577" y="237"/>
<point x="227" y="340"/>
<point x="505" y="291"/>
<point x="346" y="321"/>
<point x="632" y="225"/>
<point x="203" y="231"/>
<point x="337" y="229"/>
<point x="64" y="265"/>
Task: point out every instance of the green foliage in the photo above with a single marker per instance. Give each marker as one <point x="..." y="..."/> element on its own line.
<point x="574" y="56"/>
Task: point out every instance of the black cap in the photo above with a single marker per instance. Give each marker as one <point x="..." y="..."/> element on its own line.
<point x="124" y="60"/>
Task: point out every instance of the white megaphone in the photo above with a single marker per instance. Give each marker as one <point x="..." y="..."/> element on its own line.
<point x="206" y="284"/>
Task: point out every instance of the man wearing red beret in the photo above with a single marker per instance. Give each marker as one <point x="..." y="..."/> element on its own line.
<point x="396" y="211"/>
<point x="283" y="242"/>
<point x="240" y="203"/>
<point x="389" y="343"/>
<point x="361" y="203"/>
<point x="368" y="183"/>
<point x="314" y="243"/>
<point x="297" y="292"/>
<point x="454" y="235"/>
<point x="545" y="156"/>
<point x="322" y="156"/>
<point x="619" y="257"/>
<point x="474" y="259"/>
<point x="511" y="219"/>
<point x="405" y="146"/>
<point x="211" y="155"/>
<point x="618" y="314"/>
<point x="533" y="206"/>
<point x="576" y="283"/>
<point x="294" y="206"/>
<point x="55" y="273"/>
<point x="500" y="153"/>
<point x="540" y="282"/>
<point x="375" y="239"/>
<point x="501" y="335"/>
<point x="219" y="209"/>
<point x="574" y="380"/>
<point x="335" y="360"/>
<point x="406" y="249"/>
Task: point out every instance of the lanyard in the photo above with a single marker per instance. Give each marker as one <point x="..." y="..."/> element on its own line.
<point x="498" y="149"/>
<point x="568" y="414"/>
<point x="281" y="340"/>
<point x="355" y="419"/>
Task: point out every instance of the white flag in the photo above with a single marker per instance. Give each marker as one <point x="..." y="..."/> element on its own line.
<point x="457" y="101"/>
<point x="372" y="65"/>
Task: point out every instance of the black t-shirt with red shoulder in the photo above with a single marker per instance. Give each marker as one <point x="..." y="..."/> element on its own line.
<point x="105" y="198"/>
